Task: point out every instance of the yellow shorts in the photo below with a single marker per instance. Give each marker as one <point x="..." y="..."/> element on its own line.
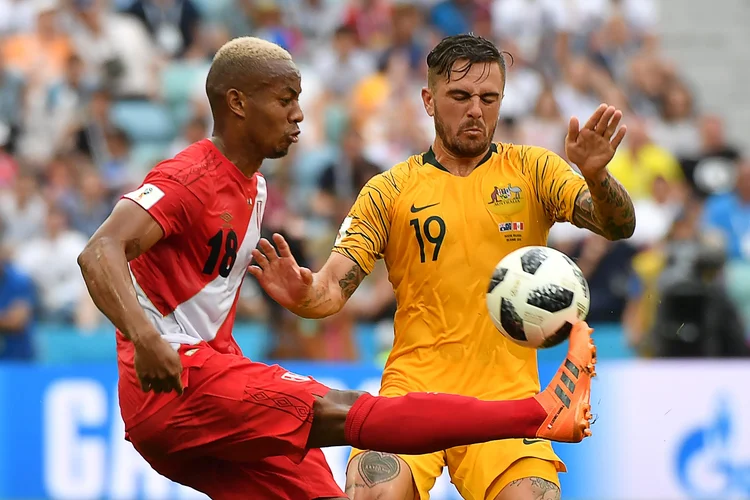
<point x="481" y="471"/>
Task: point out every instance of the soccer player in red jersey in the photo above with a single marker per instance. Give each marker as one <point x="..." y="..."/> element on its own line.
<point x="166" y="268"/>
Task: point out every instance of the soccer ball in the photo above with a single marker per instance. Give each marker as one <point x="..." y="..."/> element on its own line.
<point x="536" y="295"/>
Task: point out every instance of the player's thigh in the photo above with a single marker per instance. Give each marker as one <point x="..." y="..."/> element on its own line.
<point x="483" y="470"/>
<point x="527" y="479"/>
<point x="275" y="477"/>
<point x="234" y="410"/>
<point x="373" y="475"/>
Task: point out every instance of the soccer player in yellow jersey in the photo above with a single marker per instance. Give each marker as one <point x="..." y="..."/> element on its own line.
<point x="442" y="220"/>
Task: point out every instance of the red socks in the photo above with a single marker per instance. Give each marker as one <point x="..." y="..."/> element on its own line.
<point x="424" y="423"/>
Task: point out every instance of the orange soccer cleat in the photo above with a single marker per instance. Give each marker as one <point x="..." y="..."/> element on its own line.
<point x="567" y="398"/>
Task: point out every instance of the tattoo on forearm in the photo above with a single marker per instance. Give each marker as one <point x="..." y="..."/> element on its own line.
<point x="541" y="489"/>
<point x="606" y="209"/>
<point x="318" y="298"/>
<point x="375" y="468"/>
<point x="351" y="281"/>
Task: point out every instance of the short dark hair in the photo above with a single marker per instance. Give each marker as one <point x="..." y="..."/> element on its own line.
<point x="470" y="47"/>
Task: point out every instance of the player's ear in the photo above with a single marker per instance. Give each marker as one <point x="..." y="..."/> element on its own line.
<point x="236" y="102"/>
<point x="428" y="101"/>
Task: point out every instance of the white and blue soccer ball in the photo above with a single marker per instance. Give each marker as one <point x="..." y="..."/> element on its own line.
<point x="536" y="295"/>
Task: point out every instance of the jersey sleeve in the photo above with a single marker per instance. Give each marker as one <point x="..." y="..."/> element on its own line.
<point x="557" y="184"/>
<point x="172" y="204"/>
<point x="363" y="235"/>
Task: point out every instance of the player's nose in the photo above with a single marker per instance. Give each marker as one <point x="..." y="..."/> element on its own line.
<point x="475" y="108"/>
<point x="296" y="115"/>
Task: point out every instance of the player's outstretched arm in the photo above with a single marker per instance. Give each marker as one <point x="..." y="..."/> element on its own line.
<point x="605" y="207"/>
<point x="127" y="233"/>
<point x="306" y="294"/>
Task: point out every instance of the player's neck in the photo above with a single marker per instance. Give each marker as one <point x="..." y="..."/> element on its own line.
<point x="460" y="166"/>
<point x="245" y="163"/>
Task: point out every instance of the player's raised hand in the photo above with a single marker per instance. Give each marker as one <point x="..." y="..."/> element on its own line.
<point x="592" y="147"/>
<point x="279" y="274"/>
<point x="158" y="365"/>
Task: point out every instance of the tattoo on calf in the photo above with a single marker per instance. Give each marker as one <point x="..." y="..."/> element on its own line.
<point x="376" y="468"/>
<point x="351" y="281"/>
<point x="605" y="209"/>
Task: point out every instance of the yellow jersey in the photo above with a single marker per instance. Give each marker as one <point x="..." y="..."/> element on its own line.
<point x="441" y="236"/>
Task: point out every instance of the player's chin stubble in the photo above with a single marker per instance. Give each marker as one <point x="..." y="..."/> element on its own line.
<point x="461" y="148"/>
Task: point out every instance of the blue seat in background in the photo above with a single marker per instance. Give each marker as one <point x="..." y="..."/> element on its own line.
<point x="60" y="344"/>
<point x="178" y="83"/>
<point x="143" y="120"/>
<point x="66" y="345"/>
<point x="212" y="10"/>
<point x="145" y="155"/>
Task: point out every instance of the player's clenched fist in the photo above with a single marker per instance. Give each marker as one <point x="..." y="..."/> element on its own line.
<point x="279" y="274"/>
<point x="158" y="365"/>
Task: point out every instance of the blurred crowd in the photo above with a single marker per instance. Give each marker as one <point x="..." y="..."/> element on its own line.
<point x="94" y="92"/>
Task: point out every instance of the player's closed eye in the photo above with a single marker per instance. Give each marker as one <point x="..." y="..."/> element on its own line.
<point x="286" y="101"/>
<point x="460" y="96"/>
<point x="464" y="96"/>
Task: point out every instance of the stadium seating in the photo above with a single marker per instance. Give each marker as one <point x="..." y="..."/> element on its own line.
<point x="58" y="344"/>
<point x="144" y="120"/>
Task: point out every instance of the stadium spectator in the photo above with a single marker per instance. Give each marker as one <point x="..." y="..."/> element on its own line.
<point x="714" y="169"/>
<point x="12" y="91"/>
<point x="115" y="47"/>
<point x="16" y="16"/>
<point x="8" y="165"/>
<point x="545" y="127"/>
<point x="676" y="129"/>
<point x="23" y="211"/>
<point x="39" y="55"/>
<point x="17" y="303"/>
<point x="172" y="24"/>
<point x="61" y="287"/>
<point x="344" y="66"/>
<point x="729" y="215"/>
<point x="91" y="205"/>
<point x="641" y="161"/>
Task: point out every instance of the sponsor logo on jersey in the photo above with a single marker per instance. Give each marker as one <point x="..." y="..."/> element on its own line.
<point x="504" y="227"/>
<point x="293" y="377"/>
<point x="528" y="441"/>
<point x="226" y="216"/>
<point x="415" y="209"/>
<point x="506" y="199"/>
<point x="146" y="196"/>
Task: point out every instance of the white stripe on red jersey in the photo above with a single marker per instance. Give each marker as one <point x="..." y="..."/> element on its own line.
<point x="211" y="214"/>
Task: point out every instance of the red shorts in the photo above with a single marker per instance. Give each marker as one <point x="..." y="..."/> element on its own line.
<point x="238" y="431"/>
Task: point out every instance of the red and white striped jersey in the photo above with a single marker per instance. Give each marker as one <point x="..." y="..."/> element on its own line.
<point x="211" y="213"/>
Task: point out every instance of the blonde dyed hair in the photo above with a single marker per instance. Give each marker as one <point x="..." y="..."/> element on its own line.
<point x="238" y="61"/>
<point x="248" y="49"/>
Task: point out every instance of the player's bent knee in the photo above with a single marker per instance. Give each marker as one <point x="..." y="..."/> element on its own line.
<point x="373" y="475"/>
<point x="329" y="418"/>
<point x="530" y="488"/>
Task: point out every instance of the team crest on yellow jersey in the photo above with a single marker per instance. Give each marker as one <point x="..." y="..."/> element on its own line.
<point x="508" y="199"/>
